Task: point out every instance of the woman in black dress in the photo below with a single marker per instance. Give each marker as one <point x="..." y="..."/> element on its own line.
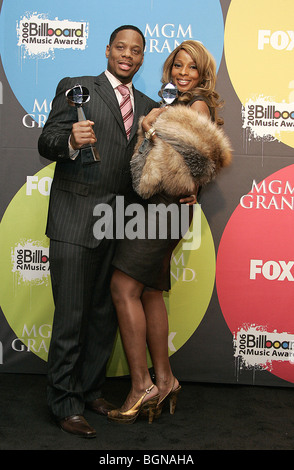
<point x="142" y="266"/>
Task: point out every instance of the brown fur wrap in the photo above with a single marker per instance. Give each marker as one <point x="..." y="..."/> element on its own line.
<point x="189" y="149"/>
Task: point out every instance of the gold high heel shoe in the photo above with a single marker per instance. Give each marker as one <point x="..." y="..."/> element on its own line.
<point x="128" y="417"/>
<point x="172" y="396"/>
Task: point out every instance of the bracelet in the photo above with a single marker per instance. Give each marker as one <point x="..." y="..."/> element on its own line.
<point x="149" y="134"/>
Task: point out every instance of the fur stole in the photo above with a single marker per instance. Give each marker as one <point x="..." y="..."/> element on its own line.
<point x="189" y="149"/>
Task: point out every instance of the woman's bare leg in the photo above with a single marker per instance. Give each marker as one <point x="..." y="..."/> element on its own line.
<point x="126" y="294"/>
<point x="157" y="339"/>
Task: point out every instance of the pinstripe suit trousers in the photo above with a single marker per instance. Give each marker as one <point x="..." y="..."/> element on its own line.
<point x="84" y="325"/>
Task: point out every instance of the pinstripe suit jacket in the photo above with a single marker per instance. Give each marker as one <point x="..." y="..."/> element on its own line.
<point x="76" y="189"/>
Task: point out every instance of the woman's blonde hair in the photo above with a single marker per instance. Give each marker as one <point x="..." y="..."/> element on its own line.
<point x="206" y="67"/>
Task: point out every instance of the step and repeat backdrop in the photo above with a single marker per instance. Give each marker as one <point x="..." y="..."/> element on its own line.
<point x="231" y="303"/>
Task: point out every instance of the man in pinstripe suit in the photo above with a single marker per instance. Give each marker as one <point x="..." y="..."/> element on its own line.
<point x="85" y="323"/>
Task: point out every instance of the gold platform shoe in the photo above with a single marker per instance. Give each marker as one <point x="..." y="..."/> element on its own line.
<point x="172" y="397"/>
<point x="147" y="407"/>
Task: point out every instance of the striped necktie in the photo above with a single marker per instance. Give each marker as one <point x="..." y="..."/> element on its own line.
<point x="126" y="108"/>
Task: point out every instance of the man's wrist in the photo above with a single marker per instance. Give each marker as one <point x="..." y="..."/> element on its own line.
<point x="73" y="153"/>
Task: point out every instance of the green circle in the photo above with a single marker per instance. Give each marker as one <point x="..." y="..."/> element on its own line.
<point x="27" y="303"/>
<point x="25" y="295"/>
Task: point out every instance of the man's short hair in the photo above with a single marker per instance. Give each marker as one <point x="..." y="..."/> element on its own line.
<point x="122" y="28"/>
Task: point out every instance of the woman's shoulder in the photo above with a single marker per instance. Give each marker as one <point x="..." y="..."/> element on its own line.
<point x="203" y="99"/>
<point x="197" y="98"/>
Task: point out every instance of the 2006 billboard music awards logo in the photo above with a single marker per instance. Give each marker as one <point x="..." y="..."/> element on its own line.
<point x="39" y="36"/>
<point x="255" y="347"/>
<point x="30" y="262"/>
<point x="264" y="118"/>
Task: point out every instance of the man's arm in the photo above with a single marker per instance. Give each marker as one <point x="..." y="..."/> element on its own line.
<point x="62" y="127"/>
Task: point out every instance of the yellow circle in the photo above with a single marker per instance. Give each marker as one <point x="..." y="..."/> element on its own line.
<point x="259" y="50"/>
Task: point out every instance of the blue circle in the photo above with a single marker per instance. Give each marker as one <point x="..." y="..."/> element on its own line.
<point x="33" y="77"/>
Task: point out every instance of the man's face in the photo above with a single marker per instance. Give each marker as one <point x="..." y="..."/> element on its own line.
<point x="125" y="55"/>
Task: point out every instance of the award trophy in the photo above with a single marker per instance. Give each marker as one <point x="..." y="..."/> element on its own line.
<point x="168" y="93"/>
<point x="77" y="96"/>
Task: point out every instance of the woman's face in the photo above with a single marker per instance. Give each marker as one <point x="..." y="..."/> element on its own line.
<point x="184" y="72"/>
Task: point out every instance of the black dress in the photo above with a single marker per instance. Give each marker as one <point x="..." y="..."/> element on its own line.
<point x="148" y="259"/>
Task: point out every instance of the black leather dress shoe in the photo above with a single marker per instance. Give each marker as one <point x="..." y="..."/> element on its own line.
<point x="78" y="426"/>
<point x="100" y="406"/>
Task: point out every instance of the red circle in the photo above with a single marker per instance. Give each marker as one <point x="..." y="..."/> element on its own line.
<point x="261" y="231"/>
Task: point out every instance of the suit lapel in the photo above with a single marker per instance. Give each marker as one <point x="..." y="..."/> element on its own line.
<point x="106" y="92"/>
